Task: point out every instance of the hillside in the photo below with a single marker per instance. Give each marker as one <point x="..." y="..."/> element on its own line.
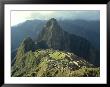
<point x="52" y="63"/>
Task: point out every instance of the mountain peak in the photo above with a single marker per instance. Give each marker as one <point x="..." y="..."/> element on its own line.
<point x="27" y="45"/>
<point x="52" y="23"/>
<point x="53" y="20"/>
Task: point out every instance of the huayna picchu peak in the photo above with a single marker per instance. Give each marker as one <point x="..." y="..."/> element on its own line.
<point x="56" y="53"/>
<point x="52" y="21"/>
<point x="55" y="37"/>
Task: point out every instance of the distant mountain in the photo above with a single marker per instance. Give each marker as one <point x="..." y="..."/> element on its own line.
<point x="55" y="37"/>
<point x="29" y="28"/>
<point x="89" y="30"/>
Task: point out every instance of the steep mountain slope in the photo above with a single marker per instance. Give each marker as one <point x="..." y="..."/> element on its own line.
<point x="27" y="45"/>
<point x="55" y="37"/>
<point x="89" y="30"/>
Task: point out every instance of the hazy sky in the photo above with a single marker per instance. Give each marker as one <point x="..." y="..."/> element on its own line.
<point x="21" y="16"/>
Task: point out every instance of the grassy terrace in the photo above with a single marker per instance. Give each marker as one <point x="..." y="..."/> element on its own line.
<point x="57" y="55"/>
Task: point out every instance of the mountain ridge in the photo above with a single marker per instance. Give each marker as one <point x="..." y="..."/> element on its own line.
<point x="33" y="27"/>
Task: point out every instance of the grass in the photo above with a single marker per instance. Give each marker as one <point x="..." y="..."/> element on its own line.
<point x="57" y="55"/>
<point x="42" y="68"/>
<point x="86" y="72"/>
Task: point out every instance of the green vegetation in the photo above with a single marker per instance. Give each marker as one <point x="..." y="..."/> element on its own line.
<point x="87" y="72"/>
<point x="52" y="63"/>
<point x="57" y="55"/>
